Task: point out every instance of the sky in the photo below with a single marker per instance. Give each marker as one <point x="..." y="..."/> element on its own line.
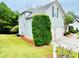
<point x="21" y="5"/>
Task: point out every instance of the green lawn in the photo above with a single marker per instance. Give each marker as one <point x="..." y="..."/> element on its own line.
<point x="12" y="46"/>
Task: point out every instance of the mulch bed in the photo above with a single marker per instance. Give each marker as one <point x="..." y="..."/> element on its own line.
<point x="30" y="41"/>
<point x="49" y="56"/>
<point x="27" y="39"/>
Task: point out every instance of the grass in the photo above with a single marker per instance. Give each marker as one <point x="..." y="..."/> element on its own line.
<point x="12" y="46"/>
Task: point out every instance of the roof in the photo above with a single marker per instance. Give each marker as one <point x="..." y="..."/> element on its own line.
<point x="44" y="7"/>
<point x="62" y="9"/>
<point x="76" y="18"/>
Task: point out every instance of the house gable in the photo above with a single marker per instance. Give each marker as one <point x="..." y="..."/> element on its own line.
<point x="56" y="15"/>
<point x="42" y="9"/>
<point x="25" y="20"/>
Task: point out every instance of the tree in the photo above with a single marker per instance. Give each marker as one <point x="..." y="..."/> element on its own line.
<point x="68" y="19"/>
<point x="8" y="18"/>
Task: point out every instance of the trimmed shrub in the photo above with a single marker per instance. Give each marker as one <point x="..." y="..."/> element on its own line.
<point x="39" y="42"/>
<point x="71" y="29"/>
<point x="41" y="29"/>
<point x="67" y="33"/>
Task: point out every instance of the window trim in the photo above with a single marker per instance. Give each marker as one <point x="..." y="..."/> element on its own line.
<point x="53" y="11"/>
<point x="57" y="12"/>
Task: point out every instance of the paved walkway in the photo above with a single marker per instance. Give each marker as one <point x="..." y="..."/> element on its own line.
<point x="70" y="43"/>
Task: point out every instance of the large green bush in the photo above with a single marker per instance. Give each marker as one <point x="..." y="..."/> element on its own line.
<point x="41" y="29"/>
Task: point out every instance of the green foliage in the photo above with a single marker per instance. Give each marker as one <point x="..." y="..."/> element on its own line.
<point x="39" y="42"/>
<point x="66" y="33"/>
<point x="8" y="18"/>
<point x="41" y="29"/>
<point x="68" y="18"/>
<point x="15" y="29"/>
<point x="6" y="29"/>
<point x="78" y="34"/>
<point x="71" y="29"/>
<point x="77" y="30"/>
<point x="65" y="53"/>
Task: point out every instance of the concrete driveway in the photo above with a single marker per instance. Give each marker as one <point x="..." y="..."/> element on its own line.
<point x="68" y="43"/>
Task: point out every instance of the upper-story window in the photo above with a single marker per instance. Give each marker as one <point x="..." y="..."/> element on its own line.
<point x="57" y="12"/>
<point x="53" y="11"/>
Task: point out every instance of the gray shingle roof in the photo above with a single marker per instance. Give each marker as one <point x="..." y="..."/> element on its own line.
<point x="40" y="8"/>
<point x="44" y="7"/>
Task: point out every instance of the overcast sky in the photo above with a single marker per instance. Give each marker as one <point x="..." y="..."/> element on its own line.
<point x="20" y="5"/>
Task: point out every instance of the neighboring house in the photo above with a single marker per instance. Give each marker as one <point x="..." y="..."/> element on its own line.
<point x="52" y="9"/>
<point x="75" y="25"/>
